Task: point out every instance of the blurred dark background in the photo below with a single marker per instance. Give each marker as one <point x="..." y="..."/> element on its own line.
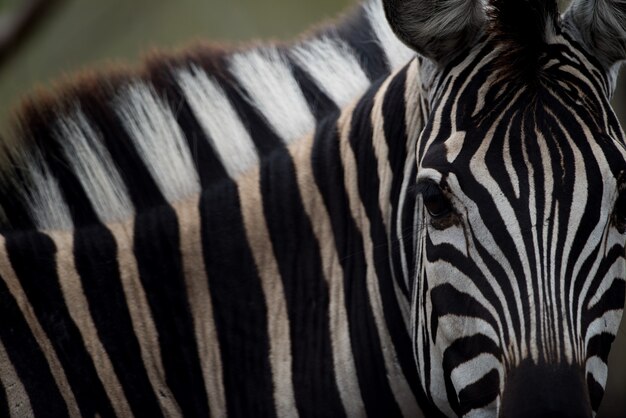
<point x="58" y="37"/>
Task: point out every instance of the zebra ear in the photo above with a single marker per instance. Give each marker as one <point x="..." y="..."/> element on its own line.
<point x="600" y="25"/>
<point x="436" y="29"/>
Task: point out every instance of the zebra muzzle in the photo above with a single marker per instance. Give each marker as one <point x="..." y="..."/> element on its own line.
<point x="545" y="390"/>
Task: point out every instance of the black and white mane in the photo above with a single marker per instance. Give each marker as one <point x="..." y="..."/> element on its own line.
<point x="109" y="144"/>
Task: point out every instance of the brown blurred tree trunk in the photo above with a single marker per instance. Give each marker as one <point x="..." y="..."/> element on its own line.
<point x="16" y="27"/>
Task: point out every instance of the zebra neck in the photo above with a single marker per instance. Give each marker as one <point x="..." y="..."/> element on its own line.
<point x="377" y="141"/>
<point x="320" y="222"/>
<point x="346" y="188"/>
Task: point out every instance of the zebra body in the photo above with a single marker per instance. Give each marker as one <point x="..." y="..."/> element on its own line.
<point x="207" y="170"/>
<point x="199" y="296"/>
<point x="333" y="228"/>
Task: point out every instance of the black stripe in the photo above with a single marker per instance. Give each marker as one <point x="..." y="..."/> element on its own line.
<point x="319" y="103"/>
<point x="408" y="221"/>
<point x="12" y="202"/>
<point x="299" y="261"/>
<point x="28" y="360"/>
<point x="4" y="403"/>
<point x="596" y="392"/>
<point x="480" y="393"/>
<point x="264" y="138"/>
<point x="33" y="258"/>
<point x="356" y="30"/>
<point x="448" y="300"/>
<point x="372" y="374"/>
<point x="157" y="249"/>
<point x="394" y="125"/>
<point x="239" y="306"/>
<point x="95" y="253"/>
<point x="460" y="351"/>
<point x="600" y="345"/>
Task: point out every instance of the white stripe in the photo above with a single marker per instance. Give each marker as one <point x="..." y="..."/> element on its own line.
<point x="272" y="89"/>
<point x="397" y="53"/>
<point x="227" y="134"/>
<point x="414" y="126"/>
<point x="201" y="304"/>
<point x="94" y="167"/>
<point x="381" y="151"/>
<point x="473" y="370"/>
<point x="343" y="357"/>
<point x="159" y="141"/>
<point x="608" y="323"/>
<point x="598" y="369"/>
<point x="278" y="329"/>
<point x="334" y="67"/>
<point x="17" y="398"/>
<point x="385" y="175"/>
<point x="508" y="162"/>
<point x="141" y="317"/>
<point x="488" y="411"/>
<point x="396" y="378"/>
<point x="454" y="327"/>
<point x="45" y="202"/>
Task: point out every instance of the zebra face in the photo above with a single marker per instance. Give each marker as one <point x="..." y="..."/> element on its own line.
<point x="522" y="255"/>
<point x="520" y="284"/>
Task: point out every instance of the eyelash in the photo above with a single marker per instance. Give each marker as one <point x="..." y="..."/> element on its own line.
<point x="435" y="201"/>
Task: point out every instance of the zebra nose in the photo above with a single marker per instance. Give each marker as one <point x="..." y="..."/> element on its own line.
<point x="545" y="390"/>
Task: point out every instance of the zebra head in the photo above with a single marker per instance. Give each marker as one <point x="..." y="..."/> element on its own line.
<point x="522" y="172"/>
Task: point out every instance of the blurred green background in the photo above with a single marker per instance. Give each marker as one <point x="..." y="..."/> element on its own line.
<point x="85" y="33"/>
<point x="81" y="34"/>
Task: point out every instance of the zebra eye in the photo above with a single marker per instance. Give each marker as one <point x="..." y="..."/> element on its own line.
<point x="619" y="213"/>
<point x="436" y="203"/>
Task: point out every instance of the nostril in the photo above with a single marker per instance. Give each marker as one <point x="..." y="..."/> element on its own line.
<point x="545" y="390"/>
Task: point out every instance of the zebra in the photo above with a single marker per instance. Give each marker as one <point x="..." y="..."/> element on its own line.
<point x="418" y="210"/>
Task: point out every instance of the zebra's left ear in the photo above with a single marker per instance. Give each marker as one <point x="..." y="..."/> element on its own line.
<point x="437" y="29"/>
<point x="600" y="25"/>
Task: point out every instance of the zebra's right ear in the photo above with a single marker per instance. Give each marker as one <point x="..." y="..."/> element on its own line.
<point x="437" y="29"/>
<point x="600" y="25"/>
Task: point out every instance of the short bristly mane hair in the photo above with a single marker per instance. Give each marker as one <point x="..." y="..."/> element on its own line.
<point x="523" y="28"/>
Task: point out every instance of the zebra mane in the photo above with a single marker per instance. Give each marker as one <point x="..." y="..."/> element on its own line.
<point x="523" y="27"/>
<point x="108" y="144"/>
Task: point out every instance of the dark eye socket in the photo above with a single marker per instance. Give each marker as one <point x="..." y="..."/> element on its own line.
<point x="619" y="212"/>
<point x="436" y="203"/>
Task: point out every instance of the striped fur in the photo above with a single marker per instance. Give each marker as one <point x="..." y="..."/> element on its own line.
<point x="251" y="232"/>
<point x="509" y="321"/>
<point x="159" y="220"/>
